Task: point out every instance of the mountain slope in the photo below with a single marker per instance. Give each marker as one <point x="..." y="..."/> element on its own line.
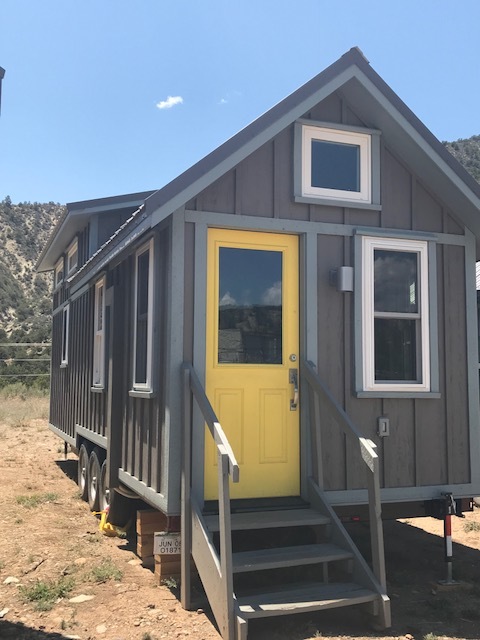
<point x="25" y="296"/>
<point x="467" y="152"/>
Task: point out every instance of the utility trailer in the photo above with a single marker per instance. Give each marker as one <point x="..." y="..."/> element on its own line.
<point x="283" y="334"/>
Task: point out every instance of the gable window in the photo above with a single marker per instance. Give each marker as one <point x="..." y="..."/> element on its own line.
<point x="143" y="322"/>
<point x="99" y="335"/>
<point x="58" y="274"/>
<point x="65" y="335"/>
<point x="72" y="257"/>
<point x="395" y="334"/>
<point x="337" y="164"/>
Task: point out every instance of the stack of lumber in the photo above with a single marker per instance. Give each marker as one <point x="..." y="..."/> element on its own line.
<point x="150" y="521"/>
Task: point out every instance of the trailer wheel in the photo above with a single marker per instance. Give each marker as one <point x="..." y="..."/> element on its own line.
<point x="94" y="472"/>
<point x="103" y="490"/>
<point x="83" y="472"/>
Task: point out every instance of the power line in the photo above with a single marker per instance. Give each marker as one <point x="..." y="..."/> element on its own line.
<point x="22" y="375"/>
<point x="25" y="344"/>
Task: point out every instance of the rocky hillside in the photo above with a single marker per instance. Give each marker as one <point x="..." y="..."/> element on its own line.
<point x="25" y="296"/>
<point x="468" y="153"/>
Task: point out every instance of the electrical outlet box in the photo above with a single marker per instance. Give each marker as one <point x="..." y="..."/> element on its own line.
<point x="383" y="427"/>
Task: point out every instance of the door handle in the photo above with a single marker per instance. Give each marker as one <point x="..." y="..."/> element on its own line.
<point x="293" y="379"/>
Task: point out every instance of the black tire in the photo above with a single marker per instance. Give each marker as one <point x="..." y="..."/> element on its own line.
<point x="103" y="490"/>
<point x="94" y="472"/>
<point x="82" y="477"/>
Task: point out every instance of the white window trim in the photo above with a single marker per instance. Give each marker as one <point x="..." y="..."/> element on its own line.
<point x="58" y="267"/>
<point x="369" y="244"/>
<point x="144" y="386"/>
<point x="362" y="140"/>
<point x="65" y="335"/>
<point x="71" y="250"/>
<point x="99" y="336"/>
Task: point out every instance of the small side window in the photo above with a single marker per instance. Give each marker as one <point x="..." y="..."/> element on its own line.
<point x="99" y="335"/>
<point x="65" y="334"/>
<point x="72" y="257"/>
<point x="58" y="273"/>
<point x="143" y="321"/>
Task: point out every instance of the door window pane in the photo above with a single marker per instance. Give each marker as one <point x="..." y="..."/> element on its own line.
<point x="250" y="306"/>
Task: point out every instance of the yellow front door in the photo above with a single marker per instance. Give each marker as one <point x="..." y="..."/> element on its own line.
<point x="252" y="359"/>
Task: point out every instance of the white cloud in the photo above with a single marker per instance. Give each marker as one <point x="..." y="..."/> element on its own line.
<point x="273" y="295"/>
<point x="170" y="102"/>
<point x="227" y="300"/>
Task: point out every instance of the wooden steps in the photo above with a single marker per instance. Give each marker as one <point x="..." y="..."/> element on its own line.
<point x="270" y="519"/>
<point x="280" y="557"/>
<point x="285" y="562"/>
<point x="303" y="598"/>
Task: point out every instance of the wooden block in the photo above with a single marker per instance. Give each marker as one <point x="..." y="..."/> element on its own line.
<point x="167" y="570"/>
<point x="145" y="547"/>
<point x="167" y="558"/>
<point x="151" y="520"/>
<point x="148" y="562"/>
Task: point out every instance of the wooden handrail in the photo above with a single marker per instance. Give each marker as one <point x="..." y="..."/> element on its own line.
<point x="223" y="606"/>
<point x="366" y="448"/>
<point x="212" y="422"/>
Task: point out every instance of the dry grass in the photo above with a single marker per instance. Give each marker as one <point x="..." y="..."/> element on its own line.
<point x="18" y="411"/>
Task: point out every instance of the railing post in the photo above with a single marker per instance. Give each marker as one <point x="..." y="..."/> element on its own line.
<point x="228" y="632"/>
<point x="186" y="509"/>
<point x="376" y="525"/>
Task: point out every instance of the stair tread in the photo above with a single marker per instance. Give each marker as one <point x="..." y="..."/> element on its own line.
<point x="270" y="519"/>
<point x="311" y="597"/>
<point x="288" y="556"/>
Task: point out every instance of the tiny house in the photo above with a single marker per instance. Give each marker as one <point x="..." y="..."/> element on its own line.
<point x="283" y="334"/>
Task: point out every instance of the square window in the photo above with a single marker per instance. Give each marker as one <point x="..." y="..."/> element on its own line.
<point x="395" y="315"/>
<point x="338" y="164"/>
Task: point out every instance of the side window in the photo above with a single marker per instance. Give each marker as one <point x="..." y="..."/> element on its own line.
<point x="65" y="334"/>
<point x="58" y="274"/>
<point x="72" y="257"/>
<point x="395" y="315"/>
<point x="143" y="321"/>
<point x="99" y="335"/>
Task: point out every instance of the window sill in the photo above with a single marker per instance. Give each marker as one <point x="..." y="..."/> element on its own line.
<point x="136" y="393"/>
<point x="333" y="202"/>
<point x="97" y="389"/>
<point x="432" y="395"/>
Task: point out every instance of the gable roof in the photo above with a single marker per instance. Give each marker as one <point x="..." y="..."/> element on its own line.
<point x="75" y="218"/>
<point x="379" y="108"/>
<point x="374" y="103"/>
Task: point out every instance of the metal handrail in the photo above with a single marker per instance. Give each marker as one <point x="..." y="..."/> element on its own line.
<point x="227" y="467"/>
<point x="366" y="448"/>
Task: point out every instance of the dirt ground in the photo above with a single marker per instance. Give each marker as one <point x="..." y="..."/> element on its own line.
<point x="52" y="551"/>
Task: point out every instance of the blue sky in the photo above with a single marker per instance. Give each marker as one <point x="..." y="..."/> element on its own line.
<point x="85" y="79"/>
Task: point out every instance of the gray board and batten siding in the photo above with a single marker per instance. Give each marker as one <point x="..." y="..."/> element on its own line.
<point x="248" y="183"/>
<point x="430" y="440"/>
